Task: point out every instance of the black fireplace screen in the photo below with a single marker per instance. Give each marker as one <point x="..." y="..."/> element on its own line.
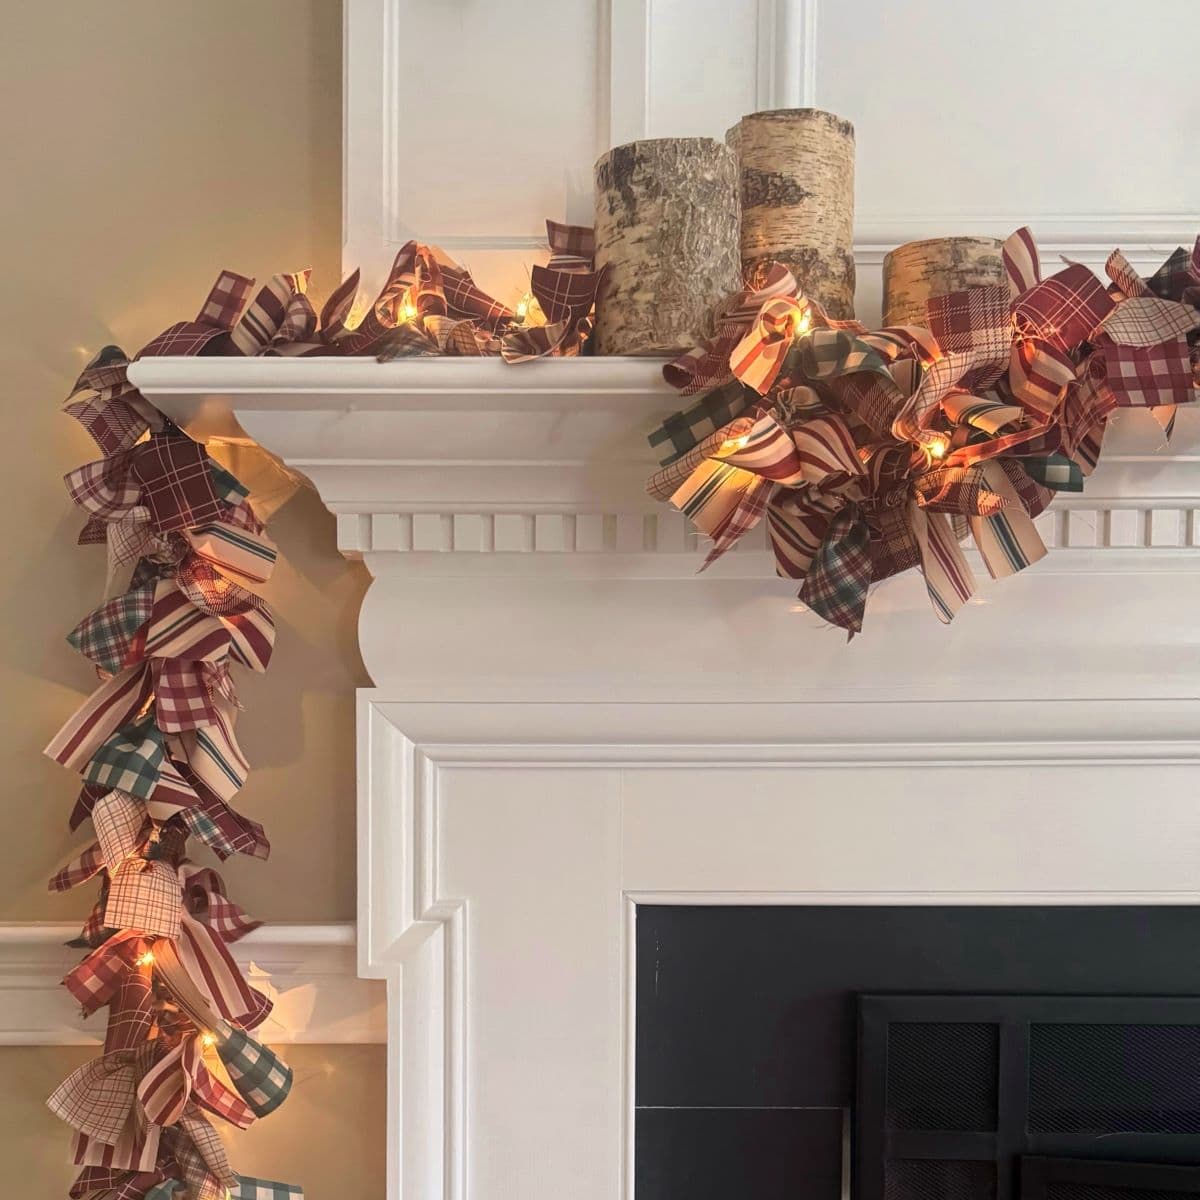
<point x="953" y="1090"/>
<point x="1084" y="1179"/>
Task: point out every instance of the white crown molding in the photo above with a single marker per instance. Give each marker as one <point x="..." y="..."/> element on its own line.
<point x="308" y="970"/>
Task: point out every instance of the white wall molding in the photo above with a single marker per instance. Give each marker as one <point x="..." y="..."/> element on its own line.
<point x="787" y="54"/>
<point x="607" y="804"/>
<point x="308" y="970"/>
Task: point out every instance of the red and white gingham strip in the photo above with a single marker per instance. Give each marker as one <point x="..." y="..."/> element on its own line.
<point x="225" y="300"/>
<point x="182" y="698"/>
<point x="204" y="895"/>
<point x="1146" y="376"/>
<point x="79" y="870"/>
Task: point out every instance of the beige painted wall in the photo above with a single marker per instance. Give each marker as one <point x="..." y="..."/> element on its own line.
<point x="145" y="146"/>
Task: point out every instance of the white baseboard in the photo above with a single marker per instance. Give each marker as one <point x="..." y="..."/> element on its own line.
<point x="308" y="970"/>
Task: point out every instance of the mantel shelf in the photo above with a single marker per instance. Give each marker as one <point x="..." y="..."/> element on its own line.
<point x="450" y="454"/>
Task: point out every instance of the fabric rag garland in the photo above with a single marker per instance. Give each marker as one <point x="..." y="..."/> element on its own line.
<point x="868" y="453"/>
<point x="155" y="744"/>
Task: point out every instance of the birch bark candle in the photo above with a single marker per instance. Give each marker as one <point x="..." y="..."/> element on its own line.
<point x="917" y="270"/>
<point x="667" y="232"/>
<point x="796" y="169"/>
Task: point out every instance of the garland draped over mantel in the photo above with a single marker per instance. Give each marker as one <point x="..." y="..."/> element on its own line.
<point x="870" y="453"/>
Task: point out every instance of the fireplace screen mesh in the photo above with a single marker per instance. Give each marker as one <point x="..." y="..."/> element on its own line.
<point x="1114" y="1078"/>
<point x="1105" y="1191"/>
<point x="931" y="1179"/>
<point x="942" y="1075"/>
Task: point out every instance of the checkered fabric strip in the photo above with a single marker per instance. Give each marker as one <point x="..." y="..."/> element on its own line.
<point x="1054" y="471"/>
<point x="1065" y="309"/>
<point x="975" y="319"/>
<point x="214" y="1097"/>
<point x="751" y="504"/>
<point x="236" y="551"/>
<point x="264" y="320"/>
<point x="1147" y="376"/>
<point x="830" y="353"/>
<point x="182" y="699"/>
<point x="165" y="1190"/>
<point x="185" y="338"/>
<point x="260" y="1077"/>
<point x="572" y="247"/>
<point x="835" y="586"/>
<point x="1121" y="272"/>
<point x="249" y="1188"/>
<point x="710" y="412"/>
<point x="174" y="792"/>
<point x="1021" y="264"/>
<point x="129" y="760"/>
<point x="122" y="827"/>
<point x="109" y="635"/>
<point x="204" y="895"/>
<point x="225" y="300"/>
<point x="112" y="705"/>
<point x="106" y="488"/>
<point x="1039" y="374"/>
<point x="80" y="869"/>
<point x="177" y="485"/>
<point x="144" y="896"/>
<point x="131" y="1012"/>
<point x="1146" y="321"/>
<point x="94" y="981"/>
<point x="92" y="933"/>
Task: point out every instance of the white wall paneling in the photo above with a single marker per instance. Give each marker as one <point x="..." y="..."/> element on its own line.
<point x="308" y="970"/>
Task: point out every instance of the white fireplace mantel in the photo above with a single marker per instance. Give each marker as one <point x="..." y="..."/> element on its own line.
<point x="568" y="721"/>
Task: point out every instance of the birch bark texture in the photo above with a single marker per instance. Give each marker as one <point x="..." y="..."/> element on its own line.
<point x="917" y="270"/>
<point x="667" y="222"/>
<point x="796" y="171"/>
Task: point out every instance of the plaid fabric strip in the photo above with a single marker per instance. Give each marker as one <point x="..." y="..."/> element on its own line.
<point x="973" y="320"/>
<point x="1065" y="309"/>
<point x="114" y="704"/>
<point x="214" y="1097"/>
<point x="178" y="629"/>
<point x="1021" y="262"/>
<point x="572" y="247"/>
<point x="235" y="550"/>
<point x="566" y="297"/>
<point x="99" y="1183"/>
<point x="948" y="578"/>
<point x="1121" y="272"/>
<point x="980" y="412"/>
<point x="80" y="869"/>
<point x="1146" y="376"/>
<point x="207" y="1145"/>
<point x="228" y="487"/>
<point x="106" y="488"/>
<point x="1039" y="374"/>
<point x="830" y="353"/>
<point x="92" y="933"/>
<point x="836" y="584"/>
<point x="181" y="696"/>
<point x="746" y="515"/>
<point x="94" y="981"/>
<point x="129" y="760"/>
<point x="185" y="338"/>
<point x="122" y="827"/>
<point x="1146" y="321"/>
<point x="264" y="320"/>
<point x="261" y="1078"/>
<point x="131" y="1012"/>
<point x="338" y="307"/>
<point x="893" y="546"/>
<point x="109" y="635"/>
<point x="967" y="370"/>
<point x="958" y="489"/>
<point x="225" y="300"/>
<point x="409" y="339"/>
<point x="1008" y="540"/>
<point x="144" y="896"/>
<point x="97" y="1099"/>
<point x="165" y="1190"/>
<point x="1174" y="277"/>
<point x="204" y="895"/>
<point x="176" y="482"/>
<point x="683" y="430"/>
<point x="874" y="399"/>
<point x="114" y="424"/>
<point x="249" y="1188"/>
<point x="225" y="831"/>
<point x="1054" y="471"/>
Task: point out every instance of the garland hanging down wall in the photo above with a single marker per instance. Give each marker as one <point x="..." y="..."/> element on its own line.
<point x="866" y="453"/>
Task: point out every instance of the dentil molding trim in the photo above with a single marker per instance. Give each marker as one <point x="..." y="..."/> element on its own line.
<point x="308" y="970"/>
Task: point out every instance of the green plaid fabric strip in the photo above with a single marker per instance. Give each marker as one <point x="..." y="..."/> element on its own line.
<point x="684" y="430"/>
<point x="1055" y="471"/>
<point x="164" y="1191"/>
<point x="264" y="1189"/>
<point x="1173" y="277"/>
<point x="106" y="635"/>
<point x="129" y="760"/>
<point x="836" y="585"/>
<point x="227" y="485"/>
<point x="261" y="1078"/>
<point x="828" y="353"/>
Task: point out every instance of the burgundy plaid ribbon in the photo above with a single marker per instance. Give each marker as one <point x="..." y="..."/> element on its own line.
<point x="218" y="315"/>
<point x="175" y="477"/>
